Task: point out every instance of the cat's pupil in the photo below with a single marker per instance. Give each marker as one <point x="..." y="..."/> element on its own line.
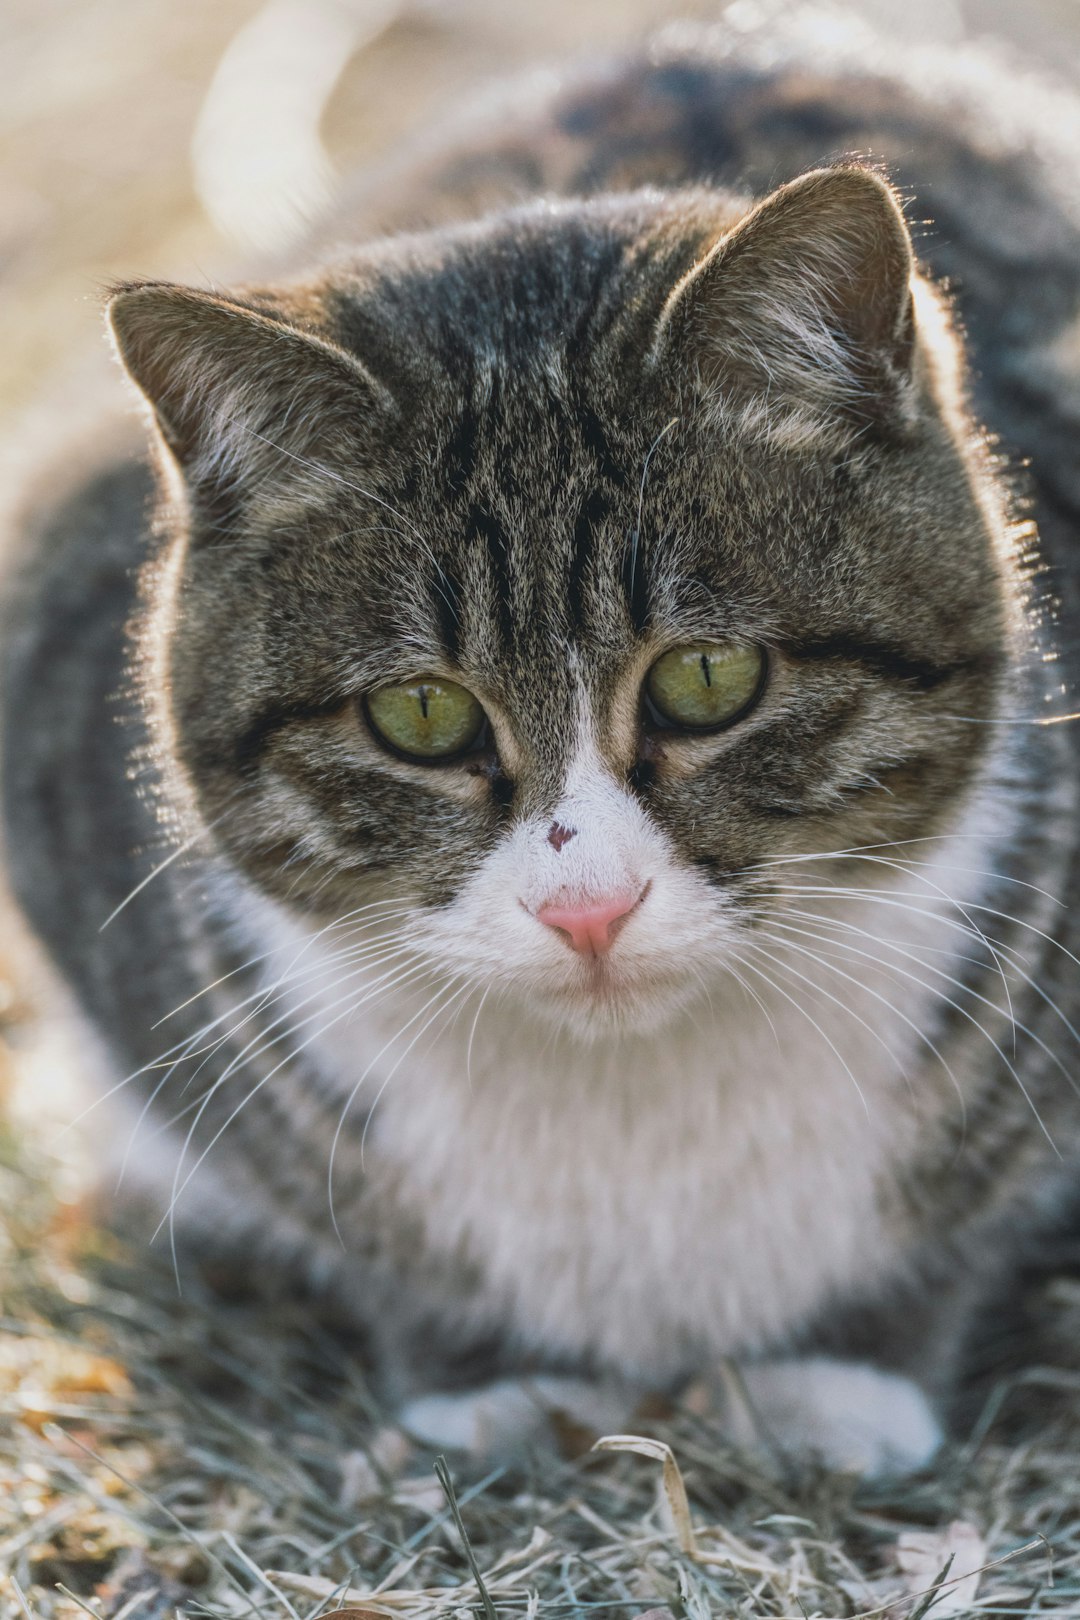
<point x="705" y="669"/>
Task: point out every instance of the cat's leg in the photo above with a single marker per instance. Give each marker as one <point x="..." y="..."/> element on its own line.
<point x="851" y="1416"/>
<point x="510" y="1416"/>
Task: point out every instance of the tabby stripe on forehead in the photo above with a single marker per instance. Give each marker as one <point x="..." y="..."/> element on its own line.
<point x="461" y="450"/>
<point x="635" y="583"/>
<point x="893" y="663"/>
<point x="446" y="602"/>
<point x="594" y="509"/>
<point x="487" y="526"/>
<point x="596" y="442"/>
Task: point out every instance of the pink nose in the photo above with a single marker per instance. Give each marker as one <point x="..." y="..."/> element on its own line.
<point x="591" y="927"/>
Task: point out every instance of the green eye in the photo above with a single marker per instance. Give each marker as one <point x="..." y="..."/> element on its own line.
<point x="428" y="719"/>
<point x="705" y="684"/>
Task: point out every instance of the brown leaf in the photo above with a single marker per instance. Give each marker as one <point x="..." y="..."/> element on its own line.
<point x="674" y="1487"/>
<point x="922" y="1555"/>
<point x="353" y="1612"/>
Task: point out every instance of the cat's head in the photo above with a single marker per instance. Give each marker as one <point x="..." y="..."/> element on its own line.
<point x="543" y="586"/>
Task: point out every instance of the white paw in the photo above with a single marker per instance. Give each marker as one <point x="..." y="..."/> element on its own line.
<point x="504" y="1419"/>
<point x="846" y="1414"/>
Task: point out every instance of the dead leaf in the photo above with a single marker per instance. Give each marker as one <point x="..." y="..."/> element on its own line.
<point x="38" y="1376"/>
<point x="354" y="1613"/>
<point x="923" y="1554"/>
<point x="674" y="1487"/>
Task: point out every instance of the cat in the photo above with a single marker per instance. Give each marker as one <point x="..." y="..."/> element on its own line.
<point x="538" y="787"/>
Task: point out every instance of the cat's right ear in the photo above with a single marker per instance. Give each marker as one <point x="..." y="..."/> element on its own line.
<point x="241" y="398"/>
<point x="800" y="321"/>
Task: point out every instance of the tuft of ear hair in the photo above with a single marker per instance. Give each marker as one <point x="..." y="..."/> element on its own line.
<point x="799" y="321"/>
<point x="241" y="399"/>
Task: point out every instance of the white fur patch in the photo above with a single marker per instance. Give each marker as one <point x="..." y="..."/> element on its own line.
<point x="851" y="1417"/>
<point x="512" y="1415"/>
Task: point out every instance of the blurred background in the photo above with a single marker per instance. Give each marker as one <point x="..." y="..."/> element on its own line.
<point x="147" y="137"/>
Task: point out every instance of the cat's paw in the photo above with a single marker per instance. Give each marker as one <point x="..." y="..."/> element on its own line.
<point x="516" y="1415"/>
<point x="846" y="1414"/>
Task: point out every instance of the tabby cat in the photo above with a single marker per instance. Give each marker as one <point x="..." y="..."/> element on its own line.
<point x="541" y="785"/>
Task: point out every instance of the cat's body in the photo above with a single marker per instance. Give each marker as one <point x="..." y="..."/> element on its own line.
<point x="529" y="455"/>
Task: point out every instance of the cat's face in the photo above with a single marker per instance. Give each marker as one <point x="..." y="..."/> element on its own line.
<point x="619" y="575"/>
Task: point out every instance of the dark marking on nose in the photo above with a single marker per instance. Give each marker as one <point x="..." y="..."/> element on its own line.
<point x="641" y="776"/>
<point x="558" y="835"/>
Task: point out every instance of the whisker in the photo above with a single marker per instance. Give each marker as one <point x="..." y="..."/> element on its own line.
<point x="919" y="1033"/>
<point x="289" y="975"/>
<point x="351" y="1099"/>
<point x="936" y="889"/>
<point x="1012" y="720"/>
<point x="959" y="984"/>
<point x="262" y="999"/>
<point x="264" y="956"/>
<point x="178" y="1186"/>
<point x="162" y="866"/>
<point x="463" y="990"/>
<point x="248" y="1053"/>
<point x="337" y="478"/>
<point x="964" y="1013"/>
<point x="472" y="1037"/>
<point x="752" y="993"/>
<point x="861" y="985"/>
<point x="189" y="1048"/>
<point x="894" y="897"/>
<point x="316" y="995"/>
<point x="252" y="1050"/>
<point x="896" y="844"/>
<point x="820" y="990"/>
<point x="753" y="968"/>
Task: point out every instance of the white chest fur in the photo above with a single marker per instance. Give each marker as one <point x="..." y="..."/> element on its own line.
<point x="652" y="1200"/>
<point x="691" y="1194"/>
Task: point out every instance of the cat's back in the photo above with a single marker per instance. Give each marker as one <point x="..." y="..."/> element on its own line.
<point x="76" y="836"/>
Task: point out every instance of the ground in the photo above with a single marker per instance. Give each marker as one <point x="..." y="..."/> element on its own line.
<point x="225" y="1456"/>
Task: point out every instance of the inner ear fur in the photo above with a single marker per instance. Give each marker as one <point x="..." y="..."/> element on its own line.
<point x="799" y="321"/>
<point x="238" y="395"/>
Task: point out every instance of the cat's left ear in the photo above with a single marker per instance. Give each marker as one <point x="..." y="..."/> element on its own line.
<point x="799" y="322"/>
<point x="243" y="399"/>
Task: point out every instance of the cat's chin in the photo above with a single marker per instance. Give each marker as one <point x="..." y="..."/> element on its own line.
<point x="609" y="1005"/>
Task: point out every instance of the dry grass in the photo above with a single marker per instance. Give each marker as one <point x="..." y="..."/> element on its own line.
<point x="228" y="1458"/>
